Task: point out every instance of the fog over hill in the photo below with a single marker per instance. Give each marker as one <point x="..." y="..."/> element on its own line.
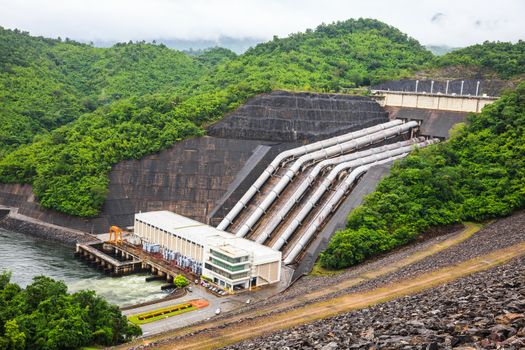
<point x="237" y="45"/>
<point x="446" y="22"/>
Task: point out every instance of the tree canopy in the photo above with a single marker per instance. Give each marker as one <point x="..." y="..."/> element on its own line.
<point x="506" y="59"/>
<point x="45" y="316"/>
<point x="70" y="111"/>
<point x="47" y="83"/>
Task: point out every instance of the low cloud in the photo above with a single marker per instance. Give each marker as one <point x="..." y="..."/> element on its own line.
<point x="438" y="17"/>
<point x="466" y="22"/>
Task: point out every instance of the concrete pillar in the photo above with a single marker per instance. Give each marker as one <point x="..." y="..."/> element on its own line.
<point x="417" y="83"/>
<point x="461" y="91"/>
<point x="446" y="88"/>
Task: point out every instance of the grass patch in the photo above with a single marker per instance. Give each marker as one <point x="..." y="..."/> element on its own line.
<point x="318" y="270"/>
<point x="155" y="315"/>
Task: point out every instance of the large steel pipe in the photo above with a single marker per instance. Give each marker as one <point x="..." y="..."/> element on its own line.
<point x="307" y="182"/>
<point x="326" y="183"/>
<point x="292" y="154"/>
<point x="329" y="206"/>
<point x="313" y="157"/>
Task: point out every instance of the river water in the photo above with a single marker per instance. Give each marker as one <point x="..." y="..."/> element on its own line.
<point x="28" y="256"/>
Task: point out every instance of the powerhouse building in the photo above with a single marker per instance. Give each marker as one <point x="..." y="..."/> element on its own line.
<point x="231" y="262"/>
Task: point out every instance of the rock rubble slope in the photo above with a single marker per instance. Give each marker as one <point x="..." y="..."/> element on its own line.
<point x="481" y="311"/>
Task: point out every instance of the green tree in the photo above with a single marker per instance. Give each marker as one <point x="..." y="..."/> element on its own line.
<point x="180" y="281"/>
<point x="45" y="316"/>
<point x="506" y="59"/>
<point x="16" y="340"/>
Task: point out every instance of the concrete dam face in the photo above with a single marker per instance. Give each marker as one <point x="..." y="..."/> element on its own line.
<point x="203" y="177"/>
<point x="289" y="117"/>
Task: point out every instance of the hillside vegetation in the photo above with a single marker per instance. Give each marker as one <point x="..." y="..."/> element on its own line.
<point x="477" y="175"/>
<point x="45" y="316"/>
<point x="70" y="111"/>
<point x="47" y="83"/>
<point x="504" y="58"/>
<point x="68" y="162"/>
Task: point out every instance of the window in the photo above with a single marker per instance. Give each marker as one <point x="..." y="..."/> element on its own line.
<point x="228" y="267"/>
<point x="225" y="274"/>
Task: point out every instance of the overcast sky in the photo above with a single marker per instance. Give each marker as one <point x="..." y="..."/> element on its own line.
<point x="450" y="22"/>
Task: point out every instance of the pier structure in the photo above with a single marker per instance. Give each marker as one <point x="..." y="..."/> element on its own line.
<point x="124" y="259"/>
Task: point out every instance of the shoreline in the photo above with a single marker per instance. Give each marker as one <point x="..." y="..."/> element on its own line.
<point x="11" y="220"/>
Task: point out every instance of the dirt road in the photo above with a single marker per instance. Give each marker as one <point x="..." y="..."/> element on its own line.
<point x="259" y="326"/>
<point x="465" y="234"/>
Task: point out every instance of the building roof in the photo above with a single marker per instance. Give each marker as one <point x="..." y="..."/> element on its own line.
<point x="206" y="235"/>
<point x="231" y="251"/>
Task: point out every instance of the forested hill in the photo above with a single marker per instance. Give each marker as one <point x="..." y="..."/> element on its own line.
<point x="505" y="59"/>
<point x="91" y="107"/>
<point x="81" y="94"/>
<point x="46" y="83"/>
<point x="334" y="57"/>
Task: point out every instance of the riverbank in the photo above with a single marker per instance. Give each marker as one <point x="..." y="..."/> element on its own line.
<point x="11" y="220"/>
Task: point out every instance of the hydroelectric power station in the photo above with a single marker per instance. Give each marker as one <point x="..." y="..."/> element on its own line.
<point x="273" y="181"/>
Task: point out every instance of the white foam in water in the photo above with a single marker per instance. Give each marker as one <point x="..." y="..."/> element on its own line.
<point x="123" y="290"/>
<point x="27" y="256"/>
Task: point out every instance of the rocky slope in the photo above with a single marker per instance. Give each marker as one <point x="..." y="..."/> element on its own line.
<point x="482" y="311"/>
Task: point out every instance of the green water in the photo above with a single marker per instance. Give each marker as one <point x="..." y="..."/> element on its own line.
<point x="28" y="256"/>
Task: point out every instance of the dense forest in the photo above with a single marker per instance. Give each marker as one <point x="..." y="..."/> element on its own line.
<point x="47" y="83"/>
<point x="507" y="60"/>
<point x="477" y="175"/>
<point x="45" y="316"/>
<point x="71" y="111"/>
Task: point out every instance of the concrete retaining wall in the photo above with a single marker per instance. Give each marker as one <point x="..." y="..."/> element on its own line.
<point x="188" y="178"/>
<point x="288" y="117"/>
<point x="203" y="177"/>
<point x="11" y="220"/>
<point x="435" y="102"/>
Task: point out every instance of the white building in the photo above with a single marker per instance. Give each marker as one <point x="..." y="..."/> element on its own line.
<point x="228" y="261"/>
